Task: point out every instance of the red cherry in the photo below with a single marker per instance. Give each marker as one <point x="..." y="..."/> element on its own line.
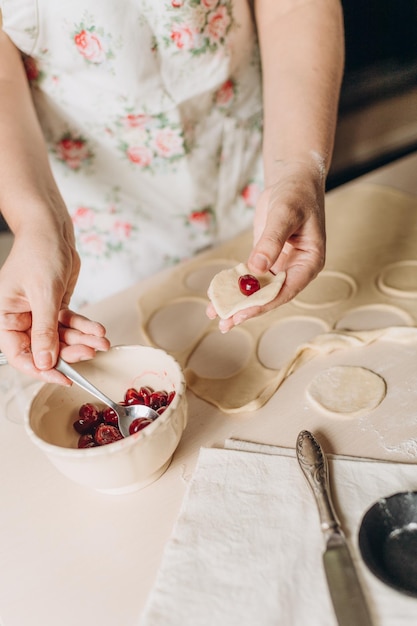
<point x="171" y="396"/>
<point x="88" y="411"/>
<point x="248" y="284"/>
<point x="110" y="417"/>
<point x="106" y="433"/>
<point x="145" y="393"/>
<point x="132" y="396"/>
<point x="89" y="418"/>
<point x="86" y="441"/>
<point x="158" y="399"/>
<point x="138" y="424"/>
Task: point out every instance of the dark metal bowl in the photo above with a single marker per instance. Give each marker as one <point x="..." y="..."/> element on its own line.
<point x="388" y="541"/>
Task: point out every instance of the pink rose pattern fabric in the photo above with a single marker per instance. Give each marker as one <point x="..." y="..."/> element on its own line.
<point x="152" y="114"/>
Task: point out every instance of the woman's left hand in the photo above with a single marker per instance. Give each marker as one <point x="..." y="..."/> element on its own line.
<point x="289" y="235"/>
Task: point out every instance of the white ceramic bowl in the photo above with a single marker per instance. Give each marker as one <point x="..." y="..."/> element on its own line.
<point x="128" y="464"/>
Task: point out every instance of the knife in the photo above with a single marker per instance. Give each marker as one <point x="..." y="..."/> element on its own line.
<point x="345" y="590"/>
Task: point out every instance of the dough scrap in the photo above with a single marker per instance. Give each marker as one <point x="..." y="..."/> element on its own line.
<point x="227" y="298"/>
<point x="347" y="390"/>
<point x="251" y="388"/>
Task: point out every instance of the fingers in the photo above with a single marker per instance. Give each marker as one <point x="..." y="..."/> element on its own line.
<point x="77" y="330"/>
<point x="80" y="337"/>
<point x="211" y="311"/>
<point x="77" y="352"/>
<point x="298" y="276"/>
<point x="16" y="347"/>
<point x="225" y="325"/>
<point x="276" y="224"/>
<point x="73" y="337"/>
<point x="15" y="321"/>
<point x="24" y="342"/>
<point x="291" y="211"/>
<point x="289" y="235"/>
<point x="269" y="236"/>
<point x="70" y="319"/>
<point x="77" y="337"/>
<point x="44" y="331"/>
<point x="34" y="296"/>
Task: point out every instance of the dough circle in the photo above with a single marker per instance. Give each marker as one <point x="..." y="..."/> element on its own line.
<point x="347" y="390"/>
<point x="328" y="289"/>
<point x="399" y="279"/>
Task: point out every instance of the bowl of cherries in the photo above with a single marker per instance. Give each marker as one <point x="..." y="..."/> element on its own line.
<point x="80" y="436"/>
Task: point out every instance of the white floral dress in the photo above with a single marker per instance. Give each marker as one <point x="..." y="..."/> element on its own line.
<point x="152" y="114"/>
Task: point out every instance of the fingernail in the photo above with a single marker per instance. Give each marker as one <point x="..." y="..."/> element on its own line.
<point x="223" y="327"/>
<point x="240" y="318"/>
<point x="260" y="263"/>
<point x="43" y="360"/>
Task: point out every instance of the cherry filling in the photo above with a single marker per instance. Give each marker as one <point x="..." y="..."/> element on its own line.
<point x="99" y="427"/>
<point x="138" y="424"/>
<point x="106" y="433"/>
<point x="248" y="284"/>
<point x="89" y="418"/>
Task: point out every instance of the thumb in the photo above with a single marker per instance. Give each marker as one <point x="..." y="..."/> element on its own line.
<point x="270" y="231"/>
<point x="44" y="335"/>
<point x="268" y="247"/>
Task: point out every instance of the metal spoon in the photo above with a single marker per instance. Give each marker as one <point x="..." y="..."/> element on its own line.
<point x="125" y="414"/>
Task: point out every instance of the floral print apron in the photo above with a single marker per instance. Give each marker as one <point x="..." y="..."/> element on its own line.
<point x="152" y="114"/>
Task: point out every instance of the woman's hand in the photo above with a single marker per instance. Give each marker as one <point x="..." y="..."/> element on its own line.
<point x="36" y="283"/>
<point x="39" y="275"/>
<point x="302" y="57"/>
<point x="289" y="235"/>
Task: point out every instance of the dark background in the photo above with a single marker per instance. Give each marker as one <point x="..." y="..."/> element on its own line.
<point x="381" y="49"/>
<point x="381" y="64"/>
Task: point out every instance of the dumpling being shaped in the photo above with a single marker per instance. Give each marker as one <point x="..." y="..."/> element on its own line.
<point x="225" y="294"/>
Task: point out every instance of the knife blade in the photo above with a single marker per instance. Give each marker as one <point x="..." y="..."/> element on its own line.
<point x="346" y="593"/>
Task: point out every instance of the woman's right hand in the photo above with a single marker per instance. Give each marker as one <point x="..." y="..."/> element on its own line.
<point x="36" y="283"/>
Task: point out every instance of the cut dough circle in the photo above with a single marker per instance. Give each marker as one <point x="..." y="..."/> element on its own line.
<point x="227" y="298"/>
<point x="399" y="279"/>
<point x="347" y="390"/>
<point x="328" y="289"/>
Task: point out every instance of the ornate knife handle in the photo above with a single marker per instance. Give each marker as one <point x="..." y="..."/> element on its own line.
<point x="313" y="463"/>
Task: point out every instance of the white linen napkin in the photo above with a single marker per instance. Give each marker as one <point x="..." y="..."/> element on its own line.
<point x="246" y="547"/>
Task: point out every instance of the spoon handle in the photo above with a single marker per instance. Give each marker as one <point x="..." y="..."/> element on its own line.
<point x="313" y="463"/>
<point x="68" y="371"/>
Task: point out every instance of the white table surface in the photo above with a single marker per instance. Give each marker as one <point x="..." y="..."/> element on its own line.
<point x="73" y="557"/>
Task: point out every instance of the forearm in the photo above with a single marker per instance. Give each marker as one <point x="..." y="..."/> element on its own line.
<point x="25" y="176"/>
<point x="302" y="53"/>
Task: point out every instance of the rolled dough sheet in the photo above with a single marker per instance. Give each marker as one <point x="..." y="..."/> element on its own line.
<point x="238" y="392"/>
<point x="369" y="282"/>
<point x="227" y="298"/>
